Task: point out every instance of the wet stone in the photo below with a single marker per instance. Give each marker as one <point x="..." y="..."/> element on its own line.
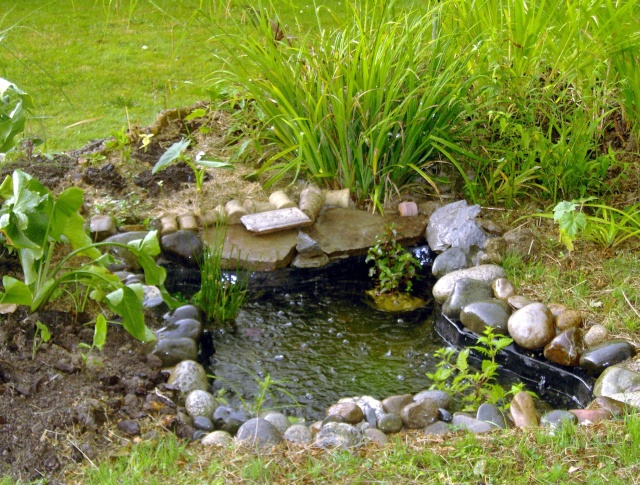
<point x="531" y="327"/>
<point x="465" y="291"/>
<point x="518" y="301"/>
<point x="419" y="414"/>
<point x="450" y="260"/>
<point x="616" y="408"/>
<point x="503" y="289"/>
<point x="203" y="423"/>
<point x="485" y="273"/>
<point x="441" y="398"/>
<point x="478" y="316"/>
<point x="394" y="404"/>
<point x="174" y="350"/>
<point x="259" y="432"/>
<point x="491" y="414"/>
<point x="556" y="309"/>
<point x="565" y="348"/>
<point x="183" y="247"/>
<point x="569" y="319"/>
<point x="298" y="434"/>
<point x="186" y="328"/>
<point x="182" y="313"/>
<point x="471" y="424"/>
<point x="556" y="418"/>
<point x="188" y="376"/>
<point x="444" y="415"/>
<point x="390" y="423"/>
<point x="598" y="358"/>
<point x="366" y="403"/>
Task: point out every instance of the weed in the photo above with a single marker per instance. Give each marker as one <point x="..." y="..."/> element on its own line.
<point x="14" y="106"/>
<point x="99" y="339"/>
<point x="41" y="335"/>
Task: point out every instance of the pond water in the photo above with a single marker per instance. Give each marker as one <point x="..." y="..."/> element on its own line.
<point x="323" y="341"/>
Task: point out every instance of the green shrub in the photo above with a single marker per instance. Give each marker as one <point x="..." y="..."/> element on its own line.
<point x="14" y="105"/>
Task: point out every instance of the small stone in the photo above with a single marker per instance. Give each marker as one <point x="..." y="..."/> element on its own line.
<point x="441" y="398"/>
<point x="531" y="327"/>
<point x="523" y="411"/>
<point x="471" y="424"/>
<point x="217" y="438"/>
<point x="522" y="241"/>
<point x="198" y="434"/>
<point x="491" y="414"/>
<point x="485" y="273"/>
<point x="168" y="224"/>
<point x="200" y="403"/>
<point x="465" y="291"/>
<point x="419" y="414"/>
<point x="451" y="259"/>
<point x="394" y="404"/>
<point x="591" y="416"/>
<point x="496" y="245"/>
<point x="565" y="348"/>
<point x="182" y="313"/>
<point x="390" y="423"/>
<point x="279" y="420"/>
<point x="437" y="429"/>
<point x="479" y="315"/>
<point x="555" y="418"/>
<point x="569" y="319"/>
<point x="101" y="227"/>
<point x="596" y="359"/>
<point x="188" y="222"/>
<point x="502" y="289"/>
<point x="188" y="376"/>
<point x="183" y="247"/>
<point x="408" y="209"/>
<point x="338" y="435"/>
<point x="616" y="408"/>
<point x="186" y="328"/>
<point x="130" y="427"/>
<point x="518" y="301"/>
<point x="235" y="211"/>
<point x="203" y="423"/>
<point x="596" y="335"/>
<point x="556" y="309"/>
<point x="259" y="432"/>
<point x="444" y="415"/>
<point x="375" y="435"/>
<point x="298" y="434"/>
<point x="174" y="350"/>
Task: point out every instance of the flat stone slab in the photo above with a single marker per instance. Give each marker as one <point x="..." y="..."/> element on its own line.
<point x="245" y="250"/>
<point x="275" y="221"/>
<point x="348" y="232"/>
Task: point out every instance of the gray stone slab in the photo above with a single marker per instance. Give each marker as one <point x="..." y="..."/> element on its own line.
<point x="275" y="221"/>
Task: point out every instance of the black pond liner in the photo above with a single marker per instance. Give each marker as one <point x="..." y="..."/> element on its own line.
<point x="556" y="384"/>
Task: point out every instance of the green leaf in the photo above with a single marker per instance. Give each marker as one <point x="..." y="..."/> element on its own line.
<point x="213" y="163"/>
<point x="15" y="292"/>
<point x="126" y="303"/>
<point x="171" y="154"/>
<point x="68" y="203"/>
<point x="45" y="335"/>
<point x="195" y="114"/>
<point x="100" y="332"/>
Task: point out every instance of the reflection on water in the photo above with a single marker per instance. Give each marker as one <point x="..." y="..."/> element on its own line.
<point x="326" y="343"/>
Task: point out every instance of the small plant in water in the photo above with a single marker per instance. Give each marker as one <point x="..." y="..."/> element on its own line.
<point x="394" y="267"/>
<point x="474" y="387"/>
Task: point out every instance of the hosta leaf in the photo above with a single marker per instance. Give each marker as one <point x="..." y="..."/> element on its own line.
<point x="171" y="154"/>
<point x="15" y="292"/>
<point x="126" y="303"/>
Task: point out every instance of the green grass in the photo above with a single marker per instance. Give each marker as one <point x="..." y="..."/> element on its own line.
<point x="571" y="454"/>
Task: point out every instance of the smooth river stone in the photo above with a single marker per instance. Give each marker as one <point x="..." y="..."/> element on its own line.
<point x="523" y="411"/>
<point x="595" y="336"/>
<point x="479" y="315"/>
<point x="350" y="412"/>
<point x="183" y="247"/>
<point x="465" y="291"/>
<point x="491" y="414"/>
<point x="279" y="420"/>
<point x="394" y="404"/>
<point x="188" y="376"/>
<point x="298" y="434"/>
<point x="518" y="301"/>
<point x="259" y="432"/>
<point x="598" y="358"/>
<point x="555" y="418"/>
<point x="472" y="425"/>
<point x="615" y="407"/>
<point x="565" y="348"/>
<point x="419" y="414"/>
<point x="591" y="416"/>
<point x="503" y="289"/>
<point x="390" y="423"/>
<point x="338" y="435"/>
<point x="187" y="328"/>
<point x="200" y="403"/>
<point x="441" y="398"/>
<point x="174" y="350"/>
<point x="556" y="309"/>
<point x="450" y="260"/>
<point x="616" y="380"/>
<point x="531" y="327"/>
<point x="183" y="312"/>
<point x="569" y="319"/>
<point x="486" y="273"/>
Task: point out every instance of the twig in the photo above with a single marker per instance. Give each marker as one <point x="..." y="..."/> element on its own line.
<point x="627" y="300"/>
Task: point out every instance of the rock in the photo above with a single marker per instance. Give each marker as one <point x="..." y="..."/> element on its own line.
<point x="556" y="309"/>
<point x="130" y="427"/>
<point x="486" y="273"/>
<point x="259" y="433"/>
<point x="523" y="411"/>
<point x="591" y="416"/>
<point x="565" y="348"/>
<point x="301" y="261"/>
<point x="615" y="407"/>
<point x="444" y="415"/>
<point x="333" y="418"/>
<point x="450" y="260"/>
<point x="101" y="227"/>
<point x="479" y="315"/>
<point x="521" y="241"/>
<point x="531" y="327"/>
<point x="390" y="423"/>
<point x="596" y="335"/>
<point x="307" y="246"/>
<point x="556" y="418"/>
<point x="496" y="245"/>
<point x="349" y="411"/>
<point x="366" y="403"/>
<point x="200" y="403"/>
<point x="491" y="414"/>
<point x="182" y="313"/>
<point x="279" y="420"/>
<point x="183" y="247"/>
<point x="484" y="257"/>
<point x="298" y="434"/>
<point x="518" y="301"/>
<point x="419" y="414"/>
<point x="470" y="424"/>
<point x="374" y="435"/>
<point x="217" y="438"/>
<point x="441" y="398"/>
<point x="395" y="302"/>
<point x="569" y="319"/>
<point x="454" y="225"/>
<point x="437" y="429"/>
<point x="502" y="289"/>
<point x="465" y="291"/>
<point x="338" y="435"/>
<point x="188" y="222"/>
<point x="394" y="404"/>
<point x="131" y="262"/>
<point x="186" y="328"/>
<point x="408" y="209"/>
<point x="234" y="211"/>
<point x="616" y="380"/>
<point x="596" y="359"/>
<point x="188" y="376"/>
<point x="174" y="350"/>
<point x="203" y="423"/>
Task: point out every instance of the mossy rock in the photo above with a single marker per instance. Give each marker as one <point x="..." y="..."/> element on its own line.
<point x="394" y="302"/>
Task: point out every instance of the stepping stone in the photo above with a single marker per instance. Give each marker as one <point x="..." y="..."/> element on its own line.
<point x="274" y="221"/>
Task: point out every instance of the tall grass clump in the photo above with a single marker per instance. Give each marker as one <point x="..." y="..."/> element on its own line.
<point x="369" y="106"/>
<point x="221" y="294"/>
